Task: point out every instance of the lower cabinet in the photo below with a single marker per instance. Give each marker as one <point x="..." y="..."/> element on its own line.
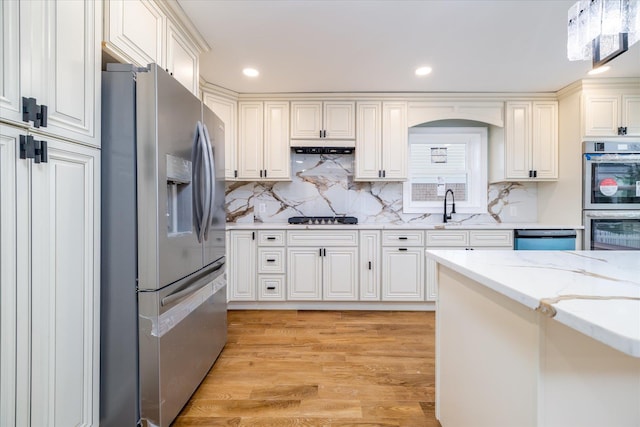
<point x="403" y="265"/>
<point x="241" y="268"/>
<point x="50" y="288"/>
<point x="323" y="273"/>
<point x="370" y="265"/>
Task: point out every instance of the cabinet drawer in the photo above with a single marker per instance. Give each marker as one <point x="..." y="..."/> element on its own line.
<point x="491" y="238"/>
<point x="322" y="238"/>
<point x="271" y="238"/>
<point x="448" y="238"/>
<point x="271" y="288"/>
<point x="402" y="238"/>
<point x="270" y="260"/>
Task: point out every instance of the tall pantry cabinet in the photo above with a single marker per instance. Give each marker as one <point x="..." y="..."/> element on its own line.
<point x="49" y="212"/>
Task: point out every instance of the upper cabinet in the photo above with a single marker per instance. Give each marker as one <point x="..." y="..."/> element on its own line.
<point x="145" y="31"/>
<point x="263" y="141"/>
<point x="381" y="142"/>
<point x="614" y="112"/>
<point x="323" y="120"/>
<point x="226" y="109"/>
<point x="531" y="140"/>
<point x="51" y="54"/>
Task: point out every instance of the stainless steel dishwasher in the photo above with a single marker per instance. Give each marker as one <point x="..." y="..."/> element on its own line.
<point x="544" y="240"/>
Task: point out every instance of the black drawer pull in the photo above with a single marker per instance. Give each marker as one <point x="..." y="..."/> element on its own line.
<point x="271" y="260"/>
<point x="271" y="288"/>
<point x="403" y="238"/>
<point x="369" y="265"/>
<point x="402" y="249"/>
<point x="271" y="238"/>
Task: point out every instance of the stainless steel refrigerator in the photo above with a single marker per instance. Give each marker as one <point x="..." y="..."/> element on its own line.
<point x="163" y="298"/>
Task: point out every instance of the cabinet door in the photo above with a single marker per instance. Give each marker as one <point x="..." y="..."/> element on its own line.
<point x="394" y="140"/>
<point x="8" y="273"/>
<point x="340" y="274"/>
<point x="402" y="274"/>
<point x="277" y="154"/>
<point x="10" y="100"/>
<point x="133" y="31"/>
<point x="304" y="274"/>
<point x="182" y="59"/>
<point x="306" y="120"/>
<point x="545" y="139"/>
<point x="339" y="120"/>
<point x="60" y="41"/>
<point x="368" y="153"/>
<point x="517" y="140"/>
<point x="250" y="135"/>
<point x="226" y="110"/>
<point x="65" y="291"/>
<point x="370" y="265"/>
<point x="601" y="114"/>
<point x="631" y="114"/>
<point x="241" y="267"/>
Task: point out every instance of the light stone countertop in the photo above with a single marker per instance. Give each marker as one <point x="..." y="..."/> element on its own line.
<point x="594" y="292"/>
<point x="389" y="226"/>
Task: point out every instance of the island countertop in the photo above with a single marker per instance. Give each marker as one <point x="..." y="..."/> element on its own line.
<point x="594" y="292"/>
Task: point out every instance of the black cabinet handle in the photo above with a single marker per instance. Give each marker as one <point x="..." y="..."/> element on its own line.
<point x="402" y="249"/>
<point x="235" y="173"/>
<point x="535" y="174"/>
<point x="271" y="288"/>
<point x="320" y="251"/>
<point x="271" y="238"/>
<point x="260" y="173"/>
<point x="379" y="174"/>
<point x="384" y="173"/>
<point x="271" y="260"/>
<point x="402" y="238"/>
<point x="253" y="235"/>
<point x="324" y="252"/>
<point x="321" y="134"/>
<point x="265" y="173"/>
<point x="369" y="265"/>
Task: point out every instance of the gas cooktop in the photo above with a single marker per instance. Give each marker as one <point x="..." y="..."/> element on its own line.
<point x="322" y="220"/>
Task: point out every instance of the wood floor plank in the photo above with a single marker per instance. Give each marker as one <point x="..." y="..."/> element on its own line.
<point x="320" y="368"/>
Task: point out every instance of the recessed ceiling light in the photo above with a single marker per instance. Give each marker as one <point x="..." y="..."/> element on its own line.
<point x="423" y="71"/>
<point x="599" y="70"/>
<point x="250" y="72"/>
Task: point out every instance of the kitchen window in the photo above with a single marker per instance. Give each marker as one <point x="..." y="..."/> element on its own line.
<point x="446" y="158"/>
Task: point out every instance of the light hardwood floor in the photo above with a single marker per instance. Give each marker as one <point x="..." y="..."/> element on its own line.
<point x="320" y="368"/>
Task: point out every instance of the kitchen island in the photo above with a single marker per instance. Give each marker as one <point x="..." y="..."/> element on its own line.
<point x="536" y="338"/>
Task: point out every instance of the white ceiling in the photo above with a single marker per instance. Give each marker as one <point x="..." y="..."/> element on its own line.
<point x="375" y="46"/>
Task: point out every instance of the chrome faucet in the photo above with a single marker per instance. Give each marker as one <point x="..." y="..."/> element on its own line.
<point x="446" y="216"/>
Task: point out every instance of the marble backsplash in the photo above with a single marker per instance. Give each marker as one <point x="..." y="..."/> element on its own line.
<point x="322" y="185"/>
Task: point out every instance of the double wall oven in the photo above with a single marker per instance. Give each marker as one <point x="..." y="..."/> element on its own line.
<point x="611" y="198"/>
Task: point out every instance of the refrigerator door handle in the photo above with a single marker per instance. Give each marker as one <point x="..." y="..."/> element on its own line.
<point x="197" y="284"/>
<point x="205" y="193"/>
<point x="211" y="176"/>
<point x="196" y="160"/>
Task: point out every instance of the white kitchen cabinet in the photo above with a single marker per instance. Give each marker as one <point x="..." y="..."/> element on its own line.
<point x="612" y="112"/>
<point x="134" y="31"/>
<point x="226" y="109"/>
<point x="322" y="120"/>
<point x="381" y="142"/>
<point x="263" y="141"/>
<point x="462" y="240"/>
<point x="241" y="268"/>
<point x="402" y="265"/>
<point x="531" y="140"/>
<point x="182" y="59"/>
<point x="271" y="265"/>
<point x="402" y="274"/>
<point x="50" y="283"/>
<point x="322" y="265"/>
<point x="147" y="31"/>
<point x="51" y="52"/>
<point x="370" y="265"/>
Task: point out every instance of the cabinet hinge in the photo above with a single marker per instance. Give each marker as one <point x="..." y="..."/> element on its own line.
<point x="33" y="112"/>
<point x="33" y="149"/>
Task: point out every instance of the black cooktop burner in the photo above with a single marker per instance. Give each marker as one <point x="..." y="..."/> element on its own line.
<point x="323" y="220"/>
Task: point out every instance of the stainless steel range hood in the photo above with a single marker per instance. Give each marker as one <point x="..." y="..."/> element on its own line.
<point x="316" y="146"/>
